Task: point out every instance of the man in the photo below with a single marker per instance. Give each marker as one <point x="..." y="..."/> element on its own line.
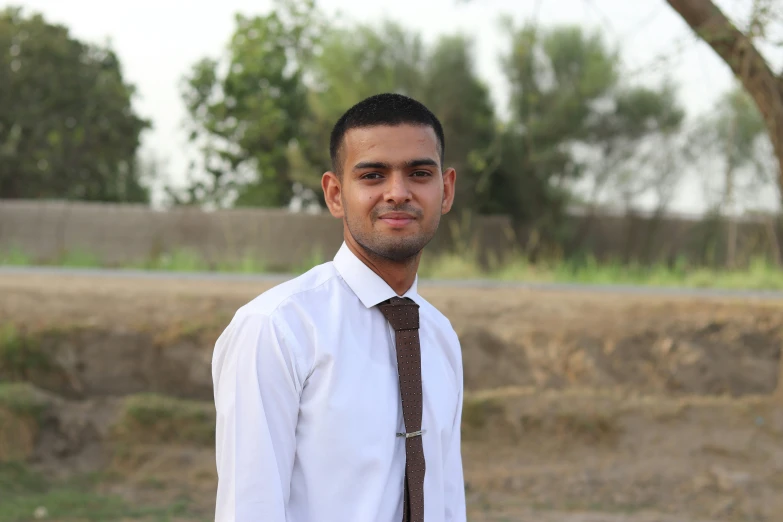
<point x="339" y="393"/>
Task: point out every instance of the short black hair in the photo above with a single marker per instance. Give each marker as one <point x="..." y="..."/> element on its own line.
<point x="383" y="109"/>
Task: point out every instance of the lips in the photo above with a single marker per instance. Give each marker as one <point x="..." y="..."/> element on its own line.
<point x="397" y="220"/>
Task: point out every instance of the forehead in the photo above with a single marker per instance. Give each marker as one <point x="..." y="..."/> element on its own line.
<point x="390" y="143"/>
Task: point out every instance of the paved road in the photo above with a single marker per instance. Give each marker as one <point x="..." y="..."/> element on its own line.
<point x="474" y="283"/>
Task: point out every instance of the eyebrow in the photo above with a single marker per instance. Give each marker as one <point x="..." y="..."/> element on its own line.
<point x="420" y="162"/>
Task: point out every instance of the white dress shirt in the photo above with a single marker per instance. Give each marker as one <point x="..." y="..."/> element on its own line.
<point x="308" y="404"/>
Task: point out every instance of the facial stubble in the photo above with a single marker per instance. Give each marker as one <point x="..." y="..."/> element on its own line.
<point x="396" y="249"/>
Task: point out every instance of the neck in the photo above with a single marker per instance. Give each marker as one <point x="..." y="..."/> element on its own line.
<point x="399" y="275"/>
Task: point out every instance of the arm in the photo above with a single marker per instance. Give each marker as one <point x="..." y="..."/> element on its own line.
<point x="257" y="402"/>
<point x="455" y="482"/>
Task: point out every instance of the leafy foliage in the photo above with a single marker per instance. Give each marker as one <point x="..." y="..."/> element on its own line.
<point x="566" y="93"/>
<point x="260" y="114"/>
<point x="246" y="119"/>
<point x="735" y="140"/>
<point x="67" y="127"/>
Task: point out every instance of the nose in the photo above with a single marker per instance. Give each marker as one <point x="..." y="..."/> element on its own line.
<point x="398" y="191"/>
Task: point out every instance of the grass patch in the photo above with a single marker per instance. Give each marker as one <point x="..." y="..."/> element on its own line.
<point x="20" y="354"/>
<point x="16" y="478"/>
<point x="22" y="399"/>
<point x="315" y="258"/>
<point x="156" y="418"/>
<point x="248" y="264"/>
<point x="79" y="259"/>
<point x="200" y="331"/>
<point x="476" y="413"/>
<point x="21" y="410"/>
<point x="180" y="260"/>
<point x="486" y="419"/>
<point x="15" y="256"/>
<point x="527" y="414"/>
<point x="760" y="274"/>
<point x="586" y="427"/>
<point x="25" y="492"/>
<point x="594" y="507"/>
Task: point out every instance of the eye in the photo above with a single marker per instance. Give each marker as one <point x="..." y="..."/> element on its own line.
<point x="371" y="175"/>
<point x="421" y="173"/>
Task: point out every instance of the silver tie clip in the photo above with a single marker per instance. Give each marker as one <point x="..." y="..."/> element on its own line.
<point x="412" y="434"/>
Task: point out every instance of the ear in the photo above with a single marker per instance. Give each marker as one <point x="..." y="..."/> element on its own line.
<point x="332" y="187"/>
<point x="449" y="181"/>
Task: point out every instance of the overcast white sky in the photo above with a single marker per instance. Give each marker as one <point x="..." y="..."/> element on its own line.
<point x="157" y="41"/>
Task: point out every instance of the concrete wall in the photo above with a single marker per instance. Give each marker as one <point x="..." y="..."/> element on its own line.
<point x="666" y="239"/>
<point x="118" y="234"/>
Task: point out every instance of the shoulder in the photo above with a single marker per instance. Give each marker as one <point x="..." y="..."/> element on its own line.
<point x="281" y="318"/>
<point x="305" y="289"/>
<point x="288" y="309"/>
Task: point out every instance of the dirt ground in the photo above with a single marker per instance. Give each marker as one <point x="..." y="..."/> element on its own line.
<point x="581" y="407"/>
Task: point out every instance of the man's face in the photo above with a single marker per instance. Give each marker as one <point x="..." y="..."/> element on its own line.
<point x="392" y="192"/>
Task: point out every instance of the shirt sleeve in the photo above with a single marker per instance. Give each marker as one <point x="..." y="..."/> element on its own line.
<point x="454" y="479"/>
<point x="257" y="392"/>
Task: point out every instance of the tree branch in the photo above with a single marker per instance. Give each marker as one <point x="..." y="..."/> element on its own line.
<point x="747" y="63"/>
<point x="735" y="48"/>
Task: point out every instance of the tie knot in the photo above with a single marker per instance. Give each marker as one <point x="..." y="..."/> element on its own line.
<point x="401" y="312"/>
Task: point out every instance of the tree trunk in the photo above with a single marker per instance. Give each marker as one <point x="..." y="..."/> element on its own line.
<point x="728" y="198"/>
<point x="745" y="61"/>
<point x="731" y="243"/>
<point x="752" y="70"/>
<point x="774" y="244"/>
<point x="779" y="390"/>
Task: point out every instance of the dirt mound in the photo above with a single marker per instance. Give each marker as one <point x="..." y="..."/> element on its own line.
<point x="526" y="452"/>
<point x="81" y="362"/>
<point x="71" y="436"/>
<point x="720" y="358"/>
<point x="85" y="341"/>
<point x="696" y="457"/>
<point x="652" y="345"/>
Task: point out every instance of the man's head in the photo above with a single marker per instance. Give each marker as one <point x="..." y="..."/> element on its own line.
<point x="387" y="181"/>
<point x="383" y="109"/>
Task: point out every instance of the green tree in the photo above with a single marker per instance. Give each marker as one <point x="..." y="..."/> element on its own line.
<point x="556" y="76"/>
<point x="735" y="129"/>
<point x="567" y="94"/>
<point x="246" y="112"/>
<point x="628" y="136"/>
<point x="732" y="135"/>
<point x="67" y="126"/>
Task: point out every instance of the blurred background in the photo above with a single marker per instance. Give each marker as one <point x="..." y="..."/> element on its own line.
<point x="597" y="143"/>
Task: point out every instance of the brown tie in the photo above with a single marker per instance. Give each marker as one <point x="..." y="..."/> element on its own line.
<point x="403" y="315"/>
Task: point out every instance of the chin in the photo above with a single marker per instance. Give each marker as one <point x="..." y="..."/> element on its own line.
<point x="393" y="247"/>
<point x="399" y="249"/>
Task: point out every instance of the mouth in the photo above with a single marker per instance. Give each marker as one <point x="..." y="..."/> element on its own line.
<point x="397" y="219"/>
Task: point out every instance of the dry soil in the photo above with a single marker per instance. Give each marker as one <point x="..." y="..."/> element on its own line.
<point x="581" y="407"/>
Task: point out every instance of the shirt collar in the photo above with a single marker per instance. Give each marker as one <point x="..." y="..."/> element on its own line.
<point x="368" y="286"/>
